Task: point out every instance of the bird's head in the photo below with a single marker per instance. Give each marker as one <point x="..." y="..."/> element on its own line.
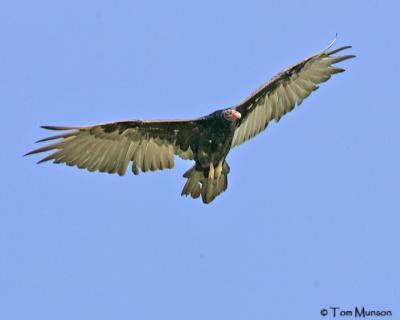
<point x="231" y="115"/>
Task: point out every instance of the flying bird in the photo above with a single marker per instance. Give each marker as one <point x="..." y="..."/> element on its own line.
<point x="152" y="145"/>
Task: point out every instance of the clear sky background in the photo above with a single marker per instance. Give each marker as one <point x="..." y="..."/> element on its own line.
<point x="311" y="216"/>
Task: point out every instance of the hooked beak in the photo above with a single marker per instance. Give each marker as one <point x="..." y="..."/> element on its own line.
<point x="236" y="115"/>
<point x="232" y="115"/>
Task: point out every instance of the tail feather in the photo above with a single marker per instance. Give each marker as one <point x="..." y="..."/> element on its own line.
<point x="200" y="184"/>
<point x="192" y="186"/>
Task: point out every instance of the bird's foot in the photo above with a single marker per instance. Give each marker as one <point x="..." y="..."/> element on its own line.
<point x="218" y="171"/>
<point x="211" y="172"/>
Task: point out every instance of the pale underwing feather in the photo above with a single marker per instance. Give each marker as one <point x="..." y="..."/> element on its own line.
<point x="110" y="147"/>
<point x="286" y="90"/>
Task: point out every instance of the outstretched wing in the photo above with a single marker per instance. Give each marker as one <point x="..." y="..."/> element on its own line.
<point x="110" y="147"/>
<point x="280" y="95"/>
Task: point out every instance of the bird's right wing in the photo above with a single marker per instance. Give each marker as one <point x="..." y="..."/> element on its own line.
<point x="287" y="89"/>
<point x="110" y="147"/>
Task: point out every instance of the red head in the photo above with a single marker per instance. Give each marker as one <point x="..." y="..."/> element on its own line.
<point x="231" y="115"/>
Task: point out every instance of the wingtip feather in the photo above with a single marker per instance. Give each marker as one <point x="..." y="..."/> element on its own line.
<point x="58" y="128"/>
<point x="342" y="58"/>
<point x="58" y="136"/>
<point x="332" y="42"/>
<point x="337" y="50"/>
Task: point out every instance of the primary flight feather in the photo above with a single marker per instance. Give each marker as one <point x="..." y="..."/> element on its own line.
<point x="152" y="145"/>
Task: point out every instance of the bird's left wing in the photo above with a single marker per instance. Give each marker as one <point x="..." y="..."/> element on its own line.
<point x="110" y="147"/>
<point x="280" y="95"/>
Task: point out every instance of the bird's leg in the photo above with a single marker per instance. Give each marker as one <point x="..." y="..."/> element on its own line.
<point x="211" y="172"/>
<point x="218" y="170"/>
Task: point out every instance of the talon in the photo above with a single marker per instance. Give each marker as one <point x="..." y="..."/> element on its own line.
<point x="211" y="172"/>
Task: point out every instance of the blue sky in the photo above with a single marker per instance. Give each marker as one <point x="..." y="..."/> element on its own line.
<point x="311" y="216"/>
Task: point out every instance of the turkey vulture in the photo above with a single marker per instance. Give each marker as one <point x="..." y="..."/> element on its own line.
<point x="152" y="145"/>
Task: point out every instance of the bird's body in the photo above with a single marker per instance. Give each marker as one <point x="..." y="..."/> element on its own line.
<point x="151" y="145"/>
<point x="215" y="136"/>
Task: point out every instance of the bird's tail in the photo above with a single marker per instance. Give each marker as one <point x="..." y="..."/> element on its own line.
<point x="208" y="184"/>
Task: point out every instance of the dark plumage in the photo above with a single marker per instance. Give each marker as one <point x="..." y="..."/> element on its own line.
<point x="151" y="145"/>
